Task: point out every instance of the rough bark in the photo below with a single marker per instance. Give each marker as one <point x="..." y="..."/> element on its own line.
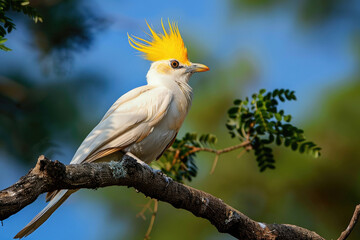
<point x="49" y="176"/>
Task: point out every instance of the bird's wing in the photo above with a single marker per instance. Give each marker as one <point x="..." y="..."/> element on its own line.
<point x="125" y="98"/>
<point x="130" y="119"/>
<point x="169" y="145"/>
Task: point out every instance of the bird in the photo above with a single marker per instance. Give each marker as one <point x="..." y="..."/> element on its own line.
<point x="143" y="122"/>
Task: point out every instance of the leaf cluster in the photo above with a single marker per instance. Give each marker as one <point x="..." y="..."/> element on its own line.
<point x="257" y="122"/>
<point x="260" y="121"/>
<point x="7" y="24"/>
<point x="178" y="162"/>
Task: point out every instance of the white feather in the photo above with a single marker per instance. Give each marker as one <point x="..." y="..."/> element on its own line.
<point x="133" y="116"/>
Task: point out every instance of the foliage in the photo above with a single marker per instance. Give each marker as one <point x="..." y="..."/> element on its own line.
<point x="7" y="24"/>
<point x="2" y="46"/>
<point x="261" y="122"/>
<point x="179" y="161"/>
<point x="258" y="122"/>
<point x="61" y="34"/>
<point x="33" y="116"/>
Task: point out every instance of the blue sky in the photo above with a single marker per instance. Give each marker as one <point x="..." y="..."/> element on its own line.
<point x="316" y="59"/>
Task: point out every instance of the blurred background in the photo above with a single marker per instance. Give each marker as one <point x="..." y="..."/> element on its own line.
<point x="63" y="74"/>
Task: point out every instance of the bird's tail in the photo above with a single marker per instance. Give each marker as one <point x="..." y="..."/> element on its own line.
<point x="42" y="216"/>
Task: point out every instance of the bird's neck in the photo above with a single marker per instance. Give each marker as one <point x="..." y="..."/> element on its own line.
<point x="179" y="87"/>
<point x="186" y="90"/>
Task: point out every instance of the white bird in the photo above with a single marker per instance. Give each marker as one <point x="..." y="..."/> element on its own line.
<point x="143" y="122"/>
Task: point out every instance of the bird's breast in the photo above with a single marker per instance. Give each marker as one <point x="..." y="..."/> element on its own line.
<point x="177" y="113"/>
<point x="162" y="133"/>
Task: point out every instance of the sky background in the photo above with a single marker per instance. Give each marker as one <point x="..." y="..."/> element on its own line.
<point x="309" y="60"/>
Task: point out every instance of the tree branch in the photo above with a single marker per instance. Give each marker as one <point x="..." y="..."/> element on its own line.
<point x="49" y="176"/>
<point x="246" y="145"/>
<point x="344" y="235"/>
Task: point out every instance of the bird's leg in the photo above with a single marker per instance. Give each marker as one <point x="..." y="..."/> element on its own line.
<point x="155" y="171"/>
<point x="138" y="160"/>
<point x="142" y="163"/>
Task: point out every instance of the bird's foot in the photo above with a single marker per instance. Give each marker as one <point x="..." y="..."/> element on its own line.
<point x="155" y="171"/>
<point x="167" y="179"/>
<point x="159" y="172"/>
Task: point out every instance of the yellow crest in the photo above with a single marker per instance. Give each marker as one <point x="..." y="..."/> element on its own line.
<point x="162" y="46"/>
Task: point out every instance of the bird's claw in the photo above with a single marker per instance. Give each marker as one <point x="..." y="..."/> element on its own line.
<point x="167" y="179"/>
<point x="155" y="171"/>
<point x="159" y="172"/>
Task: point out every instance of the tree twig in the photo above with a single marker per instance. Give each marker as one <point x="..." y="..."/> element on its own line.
<point x="246" y="144"/>
<point x="214" y="164"/>
<point x="152" y="220"/>
<point x="344" y="235"/>
<point x="144" y="209"/>
<point x="219" y="151"/>
<point x="49" y="176"/>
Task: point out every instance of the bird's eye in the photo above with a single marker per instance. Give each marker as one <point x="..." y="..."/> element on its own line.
<point x="174" y="64"/>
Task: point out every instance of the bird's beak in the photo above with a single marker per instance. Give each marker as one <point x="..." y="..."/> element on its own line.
<point x="197" y="67"/>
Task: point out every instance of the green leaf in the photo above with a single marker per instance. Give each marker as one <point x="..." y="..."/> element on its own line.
<point x="287" y="142"/>
<point x="287" y="118"/>
<point x="263" y="168"/>
<point x="278" y="116"/>
<point x="237" y="101"/>
<point x="4" y="48"/>
<point x="233" y="110"/>
<point x="302" y="148"/>
<point x="271" y="166"/>
<point x="2" y="40"/>
<point x="275" y="93"/>
<point x="294" y="146"/>
<point x="278" y="140"/>
<point x="316" y="152"/>
<point x="230" y="126"/>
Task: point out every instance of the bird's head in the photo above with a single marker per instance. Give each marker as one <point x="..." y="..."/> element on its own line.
<point x="168" y="53"/>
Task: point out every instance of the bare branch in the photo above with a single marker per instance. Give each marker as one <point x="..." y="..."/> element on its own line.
<point x="144" y="209"/>
<point x="49" y="176"/>
<point x="147" y="207"/>
<point x="246" y="145"/>
<point x="344" y="235"/>
<point x="216" y="159"/>
<point x="152" y="220"/>
<point x="217" y="152"/>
